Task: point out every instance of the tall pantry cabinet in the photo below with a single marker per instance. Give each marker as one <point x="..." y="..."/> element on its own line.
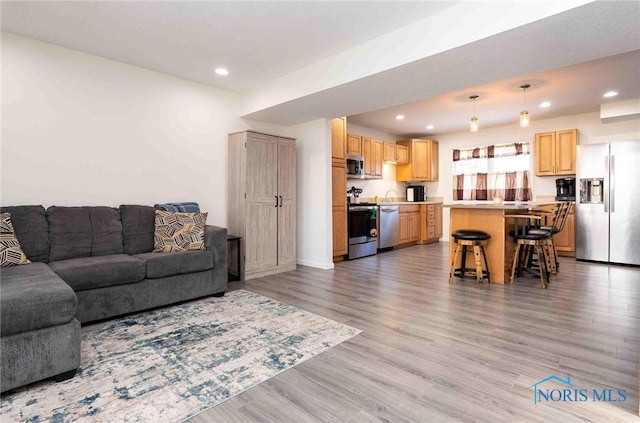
<point x="262" y="201"/>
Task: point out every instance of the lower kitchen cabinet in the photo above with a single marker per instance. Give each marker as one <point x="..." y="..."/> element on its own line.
<point x="414" y="226"/>
<point x="409" y="224"/>
<point x="339" y="232"/>
<point x="403" y="228"/>
<point x="565" y="241"/>
<point x="438" y="222"/>
<point x="431" y="215"/>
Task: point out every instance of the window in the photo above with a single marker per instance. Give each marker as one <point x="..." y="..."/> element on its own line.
<point x="483" y="173"/>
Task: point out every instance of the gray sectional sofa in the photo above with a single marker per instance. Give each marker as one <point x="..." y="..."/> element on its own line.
<point x="88" y="264"/>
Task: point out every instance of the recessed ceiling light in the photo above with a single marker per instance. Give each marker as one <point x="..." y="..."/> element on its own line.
<point x="545" y="104"/>
<point x="399" y="117"/>
<point x="610" y="94"/>
<point x="221" y="71"/>
<point x="430" y="127"/>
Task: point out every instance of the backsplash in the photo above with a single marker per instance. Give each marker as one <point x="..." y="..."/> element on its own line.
<point x="379" y="187"/>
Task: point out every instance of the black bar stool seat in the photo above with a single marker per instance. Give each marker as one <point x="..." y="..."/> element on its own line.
<point x="476" y="240"/>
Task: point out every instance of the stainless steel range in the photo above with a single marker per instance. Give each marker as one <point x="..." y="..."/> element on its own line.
<point x="363" y="230"/>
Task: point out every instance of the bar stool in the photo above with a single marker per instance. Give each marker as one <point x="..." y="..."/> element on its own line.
<point x="555" y="226"/>
<point x="477" y="240"/>
<point x="529" y="241"/>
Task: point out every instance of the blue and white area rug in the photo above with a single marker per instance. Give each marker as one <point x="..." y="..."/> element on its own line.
<point x="170" y="364"/>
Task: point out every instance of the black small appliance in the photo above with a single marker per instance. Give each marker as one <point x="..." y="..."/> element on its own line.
<point x="566" y="189"/>
<point x="416" y="193"/>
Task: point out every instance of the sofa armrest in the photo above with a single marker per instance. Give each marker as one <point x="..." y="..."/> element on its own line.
<point x="215" y="240"/>
<point x="213" y="236"/>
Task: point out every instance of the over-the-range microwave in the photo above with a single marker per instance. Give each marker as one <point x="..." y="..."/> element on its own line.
<point x="355" y="167"/>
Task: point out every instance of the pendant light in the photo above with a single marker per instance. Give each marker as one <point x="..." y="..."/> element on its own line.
<point x="524" y="114"/>
<point x="474" y="119"/>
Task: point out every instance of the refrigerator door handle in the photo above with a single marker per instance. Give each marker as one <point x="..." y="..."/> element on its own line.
<point x="606" y="192"/>
<point x="612" y="185"/>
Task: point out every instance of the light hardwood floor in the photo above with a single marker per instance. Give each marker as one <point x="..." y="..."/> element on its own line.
<point x="431" y="352"/>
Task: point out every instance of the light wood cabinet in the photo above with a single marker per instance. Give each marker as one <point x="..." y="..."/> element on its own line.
<point x="395" y="153"/>
<point x="431" y="215"/>
<point x="389" y="152"/>
<point x="262" y="201"/>
<point x="414" y="227"/>
<point x="423" y="161"/>
<point x="402" y="154"/>
<point x="339" y="233"/>
<point x="565" y="241"/>
<point x="354" y="145"/>
<point x="339" y="147"/>
<point x="403" y="228"/>
<point x="555" y="153"/>
<point x="409" y="224"/>
<point x="372" y="152"/>
<point x="339" y="209"/>
<point x="376" y="166"/>
<point x="438" y="221"/>
<point x="338" y="184"/>
<point x="339" y="138"/>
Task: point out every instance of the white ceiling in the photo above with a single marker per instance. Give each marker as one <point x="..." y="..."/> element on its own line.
<point x="570" y="90"/>
<point x="569" y="58"/>
<point x="255" y="41"/>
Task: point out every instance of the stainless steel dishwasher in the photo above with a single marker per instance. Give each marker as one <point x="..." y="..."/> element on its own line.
<point x="389" y="221"/>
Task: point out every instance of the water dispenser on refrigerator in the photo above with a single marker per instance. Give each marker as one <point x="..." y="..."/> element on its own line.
<point x="592" y="190"/>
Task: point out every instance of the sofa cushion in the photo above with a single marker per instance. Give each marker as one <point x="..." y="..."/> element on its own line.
<point x="10" y="252"/>
<point x="32" y="230"/>
<point x="84" y="232"/>
<point x="97" y="272"/>
<point x="107" y="231"/>
<point x="177" y="231"/>
<point x="34" y="297"/>
<point x="176" y="263"/>
<point x="137" y="228"/>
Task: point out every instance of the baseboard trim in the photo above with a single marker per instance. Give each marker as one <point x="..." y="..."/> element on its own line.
<point x="316" y="264"/>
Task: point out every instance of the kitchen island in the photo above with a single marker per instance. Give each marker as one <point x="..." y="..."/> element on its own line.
<point x="489" y="217"/>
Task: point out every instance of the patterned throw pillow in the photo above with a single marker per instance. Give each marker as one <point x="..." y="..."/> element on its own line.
<point x="177" y="231"/>
<point x="11" y="253"/>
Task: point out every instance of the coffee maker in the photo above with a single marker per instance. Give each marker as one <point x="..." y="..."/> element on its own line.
<point x="416" y="193"/>
<point x="566" y="189"/>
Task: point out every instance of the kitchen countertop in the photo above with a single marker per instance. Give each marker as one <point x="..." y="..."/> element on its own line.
<point x="505" y="205"/>
<point x="408" y="203"/>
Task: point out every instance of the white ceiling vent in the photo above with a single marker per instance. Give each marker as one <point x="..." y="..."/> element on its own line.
<point x="620" y="110"/>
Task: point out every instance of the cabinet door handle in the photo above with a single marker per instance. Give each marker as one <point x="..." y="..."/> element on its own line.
<point x="281" y="201"/>
<point x="276" y="201"/>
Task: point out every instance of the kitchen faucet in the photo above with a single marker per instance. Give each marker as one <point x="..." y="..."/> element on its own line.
<point x="385" y="196"/>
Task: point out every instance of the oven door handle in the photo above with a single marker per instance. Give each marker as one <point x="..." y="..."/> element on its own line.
<point x="361" y="208"/>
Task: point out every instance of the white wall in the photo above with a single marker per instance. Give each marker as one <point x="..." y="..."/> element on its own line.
<point x="313" y="164"/>
<point x="81" y="130"/>
<point x="78" y="129"/>
<point x="591" y="130"/>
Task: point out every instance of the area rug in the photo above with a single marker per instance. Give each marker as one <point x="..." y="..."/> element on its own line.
<point x="170" y="364"/>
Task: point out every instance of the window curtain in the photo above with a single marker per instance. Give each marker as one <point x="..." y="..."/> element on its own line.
<point x="483" y="173"/>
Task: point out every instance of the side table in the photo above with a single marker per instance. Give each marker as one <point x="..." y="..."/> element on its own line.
<point x="235" y="240"/>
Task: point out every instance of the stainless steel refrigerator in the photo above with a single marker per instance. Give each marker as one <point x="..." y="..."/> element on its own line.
<point x="608" y="204"/>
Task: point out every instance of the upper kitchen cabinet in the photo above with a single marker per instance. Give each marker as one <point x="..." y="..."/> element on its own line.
<point x="402" y="154"/>
<point x="423" y="161"/>
<point x="372" y="152"/>
<point x="339" y="138"/>
<point x="354" y="145"/>
<point x="556" y="153"/>
<point x="395" y="153"/>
